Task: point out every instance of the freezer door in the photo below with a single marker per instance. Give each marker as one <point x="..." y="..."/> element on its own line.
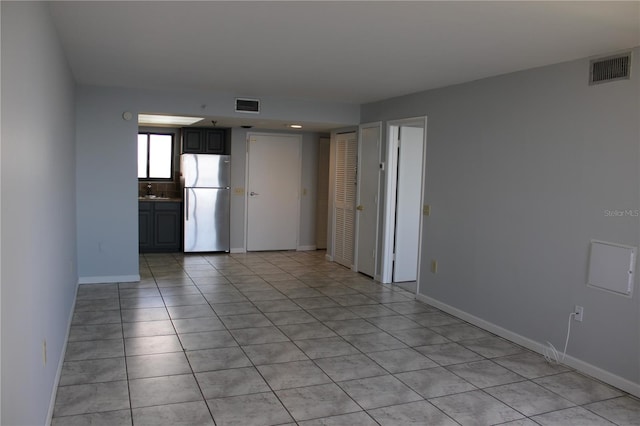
<point x="206" y="219"/>
<point x="206" y="170"/>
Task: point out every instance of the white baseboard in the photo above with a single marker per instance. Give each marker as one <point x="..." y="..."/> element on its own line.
<point x="328" y="258"/>
<point x="306" y="248"/>
<point x="56" y="381"/>
<point x="238" y="250"/>
<point x="596" y="372"/>
<point x="109" y="279"/>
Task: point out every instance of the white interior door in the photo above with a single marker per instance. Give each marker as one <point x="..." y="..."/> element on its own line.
<point x="367" y="199"/>
<point x="408" y="208"/>
<point x="344" y="198"/>
<point x="273" y="191"/>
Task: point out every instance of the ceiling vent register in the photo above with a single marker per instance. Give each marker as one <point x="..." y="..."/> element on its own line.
<point x="248" y="105"/>
<point x="611" y="68"/>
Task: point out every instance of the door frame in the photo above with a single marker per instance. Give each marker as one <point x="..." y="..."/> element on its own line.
<point x="391" y="182"/>
<point x="378" y="125"/>
<point x="246" y="180"/>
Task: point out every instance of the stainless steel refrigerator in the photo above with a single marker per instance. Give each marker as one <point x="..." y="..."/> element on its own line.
<point x="206" y="202"/>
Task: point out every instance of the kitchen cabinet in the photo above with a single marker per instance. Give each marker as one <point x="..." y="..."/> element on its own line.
<point x="206" y="140"/>
<point x="160" y="226"/>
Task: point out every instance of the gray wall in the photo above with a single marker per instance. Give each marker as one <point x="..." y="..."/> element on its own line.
<point x="38" y="210"/>
<point x="106" y="165"/>
<point x="307" y="232"/>
<point x="107" y="187"/>
<point x="520" y="171"/>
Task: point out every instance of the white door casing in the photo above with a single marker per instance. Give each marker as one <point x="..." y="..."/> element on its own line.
<point x="367" y="198"/>
<point x="273" y="191"/>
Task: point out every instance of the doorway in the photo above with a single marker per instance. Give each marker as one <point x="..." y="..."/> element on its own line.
<point x="273" y="191"/>
<point x="404" y="193"/>
<point x="368" y="189"/>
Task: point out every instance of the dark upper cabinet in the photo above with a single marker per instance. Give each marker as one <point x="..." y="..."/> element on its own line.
<point x="206" y="140"/>
<point x="192" y="140"/>
<point x="215" y="142"/>
<point x="160" y="226"/>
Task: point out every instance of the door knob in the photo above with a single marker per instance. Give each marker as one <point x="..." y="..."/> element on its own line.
<point x="253" y="193"/>
<point x="360" y="207"/>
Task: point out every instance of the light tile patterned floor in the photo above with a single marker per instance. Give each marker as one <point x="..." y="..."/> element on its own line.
<point x="276" y="338"/>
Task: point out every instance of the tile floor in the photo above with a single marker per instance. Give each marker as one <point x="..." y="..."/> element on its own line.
<point x="285" y="338"/>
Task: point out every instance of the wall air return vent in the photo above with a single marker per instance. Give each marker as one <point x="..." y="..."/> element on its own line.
<point x="611" y="68"/>
<point x="248" y="105"/>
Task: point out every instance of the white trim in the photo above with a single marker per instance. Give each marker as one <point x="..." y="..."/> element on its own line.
<point x="238" y="250"/>
<point x="306" y="248"/>
<point x="596" y="372"/>
<point x="331" y="201"/>
<point x="423" y="181"/>
<point x="56" y="380"/>
<point x="109" y="279"/>
<point x="246" y="191"/>
<point x="378" y="125"/>
<point x="389" y="203"/>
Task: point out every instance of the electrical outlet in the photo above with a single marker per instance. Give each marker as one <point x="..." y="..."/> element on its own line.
<point x="426" y="210"/>
<point x="579" y="311"/>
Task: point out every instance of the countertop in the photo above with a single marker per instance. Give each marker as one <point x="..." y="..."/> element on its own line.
<point x="160" y="199"/>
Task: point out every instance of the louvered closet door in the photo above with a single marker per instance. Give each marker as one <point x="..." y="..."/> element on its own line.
<point x="345" y="198"/>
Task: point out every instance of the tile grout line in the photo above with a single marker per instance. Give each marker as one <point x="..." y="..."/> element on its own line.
<point x="184" y="351"/>
<point x="124" y="354"/>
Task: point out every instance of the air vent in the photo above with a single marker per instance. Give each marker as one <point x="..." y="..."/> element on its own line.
<point x="611" y="68"/>
<point x="248" y="105"/>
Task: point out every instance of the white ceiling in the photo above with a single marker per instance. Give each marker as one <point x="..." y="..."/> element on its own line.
<point x="353" y="52"/>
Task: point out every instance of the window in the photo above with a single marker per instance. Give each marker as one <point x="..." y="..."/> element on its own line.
<point x="155" y="156"/>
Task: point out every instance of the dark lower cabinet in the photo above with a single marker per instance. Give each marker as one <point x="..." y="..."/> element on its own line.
<point x="160" y="226"/>
<point x="145" y="228"/>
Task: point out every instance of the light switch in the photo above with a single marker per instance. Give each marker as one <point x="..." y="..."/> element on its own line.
<point x="434" y="266"/>
<point x="426" y="210"/>
<point x="304" y="191"/>
<point x="238" y="191"/>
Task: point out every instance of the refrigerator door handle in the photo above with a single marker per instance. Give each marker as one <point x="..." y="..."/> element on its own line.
<point x="186" y="204"/>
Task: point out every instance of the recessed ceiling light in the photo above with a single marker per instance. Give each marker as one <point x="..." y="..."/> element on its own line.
<point x="295" y="126"/>
<point x="167" y="119"/>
